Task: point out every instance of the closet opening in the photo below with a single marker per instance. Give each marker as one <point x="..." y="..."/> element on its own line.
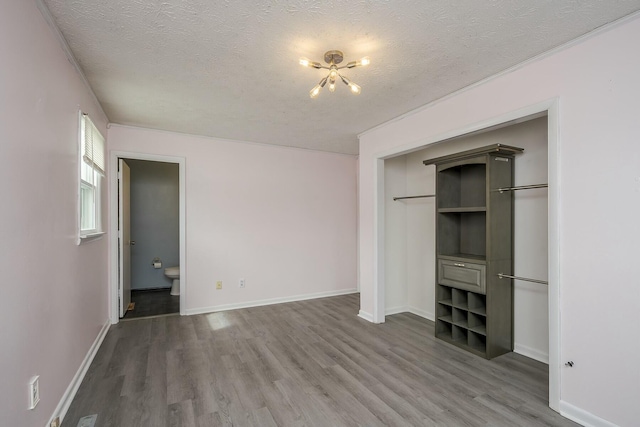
<point x="407" y="279"/>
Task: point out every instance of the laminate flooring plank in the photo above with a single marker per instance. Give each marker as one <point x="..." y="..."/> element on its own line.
<point x="330" y="399"/>
<point x="89" y="400"/>
<point x="309" y="410"/>
<point x="243" y="380"/>
<point x="181" y="414"/>
<point x="262" y="418"/>
<point x="406" y="405"/>
<point x="513" y="415"/>
<point x="213" y="420"/>
<point x="378" y="407"/>
<point x="135" y="369"/>
<point x="306" y="363"/>
<point x="357" y="370"/>
<point x="276" y="403"/>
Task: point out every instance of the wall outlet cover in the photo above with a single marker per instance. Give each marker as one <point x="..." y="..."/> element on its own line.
<point x="241" y="283"/>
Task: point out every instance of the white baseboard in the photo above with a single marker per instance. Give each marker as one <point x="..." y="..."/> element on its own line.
<point x="270" y="301"/>
<point x="72" y="389"/>
<point x="531" y="353"/>
<point x="422" y="313"/>
<point x="366" y="316"/>
<point x="408" y="309"/>
<point x="388" y="311"/>
<point x="583" y="417"/>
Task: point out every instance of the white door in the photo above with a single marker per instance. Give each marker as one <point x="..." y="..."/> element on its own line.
<point x="124" y="236"/>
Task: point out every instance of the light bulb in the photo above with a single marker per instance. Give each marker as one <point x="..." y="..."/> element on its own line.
<point x="354" y="88"/>
<point x="315" y="91"/>
<point x="308" y="63"/>
<point x="332" y="86"/>
<point x="333" y="73"/>
<point x="364" y="61"/>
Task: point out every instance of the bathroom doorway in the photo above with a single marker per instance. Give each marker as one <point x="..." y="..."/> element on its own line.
<point x="156" y="236"/>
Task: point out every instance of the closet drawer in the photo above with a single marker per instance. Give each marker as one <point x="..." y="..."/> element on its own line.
<point x="462" y="275"/>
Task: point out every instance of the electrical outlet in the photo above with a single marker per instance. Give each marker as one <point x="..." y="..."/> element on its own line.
<point x="34" y="391"/>
<point x="241" y="283"/>
<point x="55" y="422"/>
<point x="219" y="285"/>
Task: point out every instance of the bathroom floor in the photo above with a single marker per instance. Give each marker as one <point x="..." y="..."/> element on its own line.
<point x="153" y="302"/>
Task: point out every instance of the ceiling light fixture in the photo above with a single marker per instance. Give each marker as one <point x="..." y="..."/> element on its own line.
<point x="333" y="58"/>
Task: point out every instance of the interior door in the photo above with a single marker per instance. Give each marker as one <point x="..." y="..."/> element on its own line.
<point x="124" y="236"/>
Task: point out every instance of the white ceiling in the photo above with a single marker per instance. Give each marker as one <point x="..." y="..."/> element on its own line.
<point x="229" y="69"/>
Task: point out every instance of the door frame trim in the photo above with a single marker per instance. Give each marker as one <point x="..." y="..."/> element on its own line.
<point x="113" y="224"/>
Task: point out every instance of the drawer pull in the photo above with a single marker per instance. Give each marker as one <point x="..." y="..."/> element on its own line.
<point x="458" y="264"/>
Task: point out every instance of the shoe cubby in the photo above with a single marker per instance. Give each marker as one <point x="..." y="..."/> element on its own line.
<point x="461" y="318"/>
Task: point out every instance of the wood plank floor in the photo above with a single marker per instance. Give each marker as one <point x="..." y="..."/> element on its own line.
<point x="309" y="363"/>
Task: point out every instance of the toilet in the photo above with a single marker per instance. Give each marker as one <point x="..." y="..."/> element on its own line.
<point x="173" y="273"/>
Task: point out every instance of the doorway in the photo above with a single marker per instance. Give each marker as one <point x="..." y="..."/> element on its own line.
<point x="157" y="235"/>
<point x="154" y="231"/>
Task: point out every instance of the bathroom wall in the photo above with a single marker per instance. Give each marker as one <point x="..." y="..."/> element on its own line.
<point x="54" y="291"/>
<point x="154" y="222"/>
<point x="283" y="219"/>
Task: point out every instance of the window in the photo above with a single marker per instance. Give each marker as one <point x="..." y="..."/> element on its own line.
<point x="92" y="166"/>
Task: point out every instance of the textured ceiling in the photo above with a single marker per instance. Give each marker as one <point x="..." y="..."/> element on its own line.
<point x="229" y="69"/>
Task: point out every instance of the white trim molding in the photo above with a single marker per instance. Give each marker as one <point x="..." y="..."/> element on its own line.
<point x="408" y="309"/>
<point x="270" y="301"/>
<point x="531" y="353"/>
<point x="366" y="316"/>
<point x="583" y="417"/>
<point x="74" y="385"/>
<point x="388" y="311"/>
<point x="422" y="313"/>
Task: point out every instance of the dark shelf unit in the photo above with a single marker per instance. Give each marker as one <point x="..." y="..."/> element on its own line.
<point x="474" y="242"/>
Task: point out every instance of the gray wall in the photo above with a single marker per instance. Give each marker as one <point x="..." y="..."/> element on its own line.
<point x="154" y="222"/>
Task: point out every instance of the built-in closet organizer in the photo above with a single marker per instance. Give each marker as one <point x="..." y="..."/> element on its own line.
<point x="474" y="243"/>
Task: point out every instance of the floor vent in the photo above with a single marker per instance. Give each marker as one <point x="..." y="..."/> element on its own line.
<point x="88" y="421"/>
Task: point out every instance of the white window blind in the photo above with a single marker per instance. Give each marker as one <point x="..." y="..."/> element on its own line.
<point x="92" y="169"/>
<point x="93" y="145"/>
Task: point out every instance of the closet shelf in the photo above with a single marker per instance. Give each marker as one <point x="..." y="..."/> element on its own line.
<point x="463" y="209"/>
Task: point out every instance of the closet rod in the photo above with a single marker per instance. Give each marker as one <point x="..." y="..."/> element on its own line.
<point x="413" y="197"/>
<point x="520" y="187"/>
<point x="506" y="276"/>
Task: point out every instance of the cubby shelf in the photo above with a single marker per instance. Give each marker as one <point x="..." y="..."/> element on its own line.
<point x="474" y="242"/>
<point x="463" y="210"/>
<point x="458" y="313"/>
